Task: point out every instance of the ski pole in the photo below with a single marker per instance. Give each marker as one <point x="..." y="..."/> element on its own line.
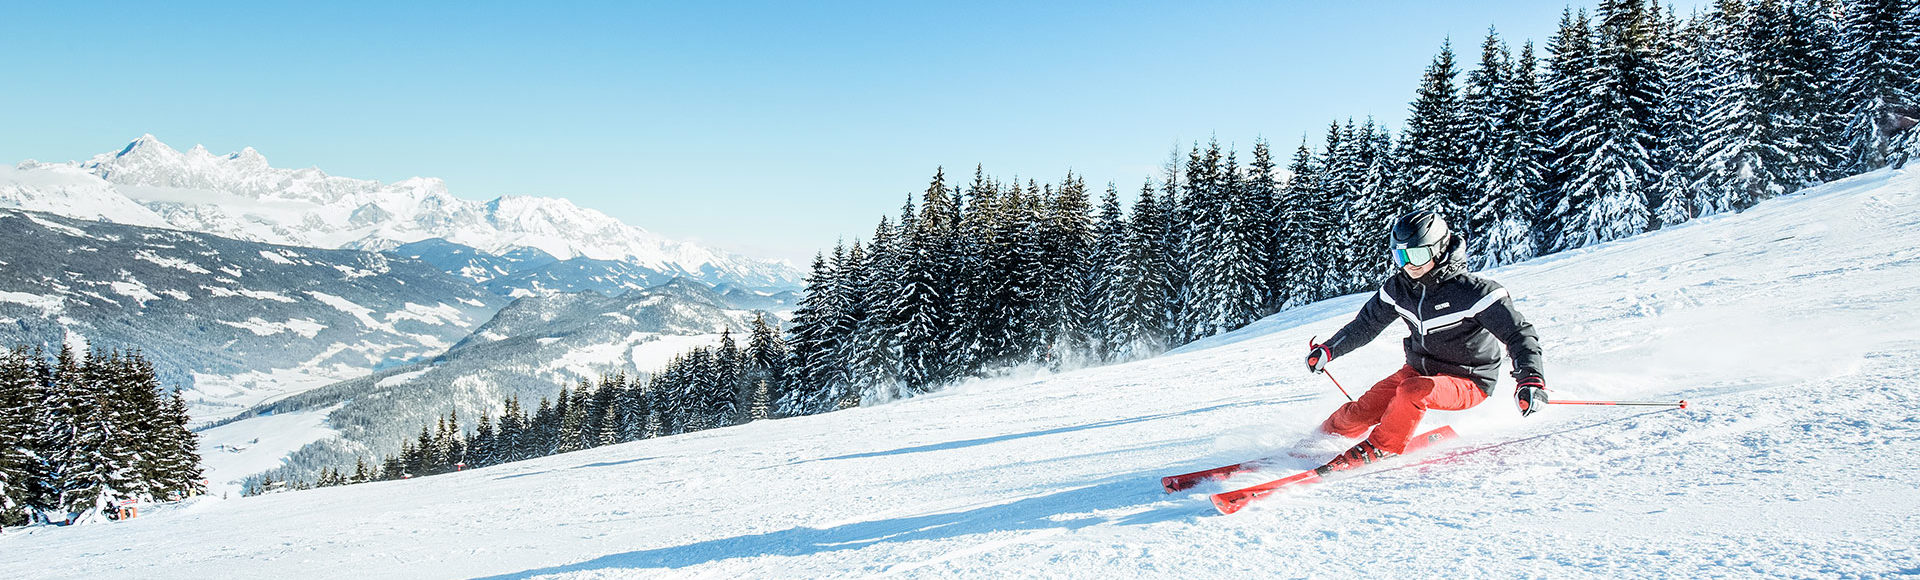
<point x="1336" y="382"/>
<point x="1680" y="404"/>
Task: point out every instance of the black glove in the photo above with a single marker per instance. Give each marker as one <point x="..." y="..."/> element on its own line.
<point x="1530" y="395"/>
<point x="1317" y="357"/>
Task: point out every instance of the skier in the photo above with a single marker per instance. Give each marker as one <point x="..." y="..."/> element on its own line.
<point x="1455" y="317"/>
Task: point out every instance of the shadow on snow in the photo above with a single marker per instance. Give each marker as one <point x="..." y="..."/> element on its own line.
<point x="1071" y="509"/>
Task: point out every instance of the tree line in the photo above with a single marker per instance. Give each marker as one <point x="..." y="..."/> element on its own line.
<point x="704" y="388"/>
<point x="80" y="431"/>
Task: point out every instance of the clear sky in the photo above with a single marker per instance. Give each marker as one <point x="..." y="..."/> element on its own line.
<point x="768" y="128"/>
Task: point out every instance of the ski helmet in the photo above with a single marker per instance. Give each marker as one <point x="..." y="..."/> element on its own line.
<point x="1419" y="238"/>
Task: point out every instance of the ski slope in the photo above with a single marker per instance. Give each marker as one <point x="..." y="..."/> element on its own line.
<point x="1793" y="329"/>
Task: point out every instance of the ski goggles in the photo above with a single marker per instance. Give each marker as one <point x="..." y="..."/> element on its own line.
<point x="1414" y="256"/>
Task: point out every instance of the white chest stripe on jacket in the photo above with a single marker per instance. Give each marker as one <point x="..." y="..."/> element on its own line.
<point x="1440" y="322"/>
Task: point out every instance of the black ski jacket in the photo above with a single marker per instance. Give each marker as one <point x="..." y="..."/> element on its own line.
<point x="1454" y="317"/>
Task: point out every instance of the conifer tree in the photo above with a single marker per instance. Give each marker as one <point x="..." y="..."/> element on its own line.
<point x="1605" y="198"/>
<point x="766" y="359"/>
<point x="19" y="392"/>
<point x="1067" y="241"/>
<point x="926" y="308"/>
<point x="1262" y="197"/>
<point x="1377" y="191"/>
<point x="1880" y="50"/>
<point x="1568" y="119"/>
<point x="361" y="472"/>
<point x="729" y="394"/>
<point x="1509" y="158"/>
<point x="510" y="444"/>
<point x="179" y="468"/>
<point x="1301" y="217"/>
<point x="1237" y="277"/>
<point x="1139" y="289"/>
<point x="1435" y="145"/>
<point x="812" y="341"/>
<point x="636" y="406"/>
<point x="1688" y="72"/>
<point x="1738" y="163"/>
<point x="1106" y="265"/>
<point x="480" y="448"/>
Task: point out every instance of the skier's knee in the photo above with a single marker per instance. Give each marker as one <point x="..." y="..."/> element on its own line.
<point x="1416" y="387"/>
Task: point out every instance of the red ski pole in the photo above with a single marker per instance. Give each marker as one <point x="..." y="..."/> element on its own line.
<point x="1680" y="404"/>
<point x="1313" y="342"/>
<point x="1336" y="384"/>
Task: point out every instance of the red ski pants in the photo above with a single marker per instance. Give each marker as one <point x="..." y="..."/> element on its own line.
<point x="1397" y="403"/>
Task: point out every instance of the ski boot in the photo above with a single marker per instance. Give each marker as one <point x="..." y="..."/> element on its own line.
<point x="1362" y="454"/>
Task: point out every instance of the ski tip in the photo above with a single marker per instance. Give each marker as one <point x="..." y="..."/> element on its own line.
<point x="1226" y="505"/>
<point x="1170" y="484"/>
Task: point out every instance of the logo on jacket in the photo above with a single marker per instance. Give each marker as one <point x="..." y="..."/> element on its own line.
<point x="1442" y="305"/>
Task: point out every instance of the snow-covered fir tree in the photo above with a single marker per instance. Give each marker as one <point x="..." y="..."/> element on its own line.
<point x="1436" y="143"/>
<point x="1605" y="197"/>
<point x="1879" y="52"/>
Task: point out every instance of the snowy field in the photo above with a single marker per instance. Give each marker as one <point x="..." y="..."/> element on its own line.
<point x="232" y="452"/>
<point x="1794" y="330"/>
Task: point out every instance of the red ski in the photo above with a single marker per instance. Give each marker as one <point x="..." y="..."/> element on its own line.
<point x="1173" y="483"/>
<point x="1231" y="501"/>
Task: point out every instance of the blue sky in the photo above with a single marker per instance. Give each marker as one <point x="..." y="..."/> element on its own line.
<point x="769" y="128"/>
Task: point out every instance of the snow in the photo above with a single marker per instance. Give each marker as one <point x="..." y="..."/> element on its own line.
<point x="364" y="314"/>
<point x="70" y="191"/>
<point x="306" y="327"/>
<point x="175" y="263"/>
<point x="657" y="350"/>
<point x="134" y="289"/>
<point x="1793" y="329"/>
<point x="440" y="314"/>
<point x="51" y="305"/>
<point x="275" y="257"/>
<point x="219" y="396"/>
<point x="241" y="196"/>
<point x="399" y="379"/>
<point x="220" y="292"/>
<point x="234" y="451"/>
<point x="62" y="228"/>
<point x="645" y="350"/>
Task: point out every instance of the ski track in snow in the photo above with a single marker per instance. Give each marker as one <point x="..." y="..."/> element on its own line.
<point x="1793" y="330"/>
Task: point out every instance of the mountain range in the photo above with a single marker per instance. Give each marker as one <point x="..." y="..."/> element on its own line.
<point x="239" y="195"/>
<point x="238" y="322"/>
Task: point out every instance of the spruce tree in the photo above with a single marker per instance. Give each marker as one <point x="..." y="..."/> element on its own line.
<point x="1568" y="121"/>
<point x="1067" y="241"/>
<point x="1139" y="289"/>
<point x="1377" y="199"/>
<point x="1435" y="144"/>
<point x="1733" y="169"/>
<point x="1688" y="72"/>
<point x="1237" y="280"/>
<point x="1106" y="263"/>
<point x="1513" y="170"/>
<point x="1880" y="50"/>
<point x="923" y="305"/>
<point x="1300" y="224"/>
<point x="812" y="341"/>
<point x="19" y="396"/>
<point x="729" y="393"/>
<point x="766" y="361"/>
<point x="1605" y="198"/>
<point x="481" y="451"/>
